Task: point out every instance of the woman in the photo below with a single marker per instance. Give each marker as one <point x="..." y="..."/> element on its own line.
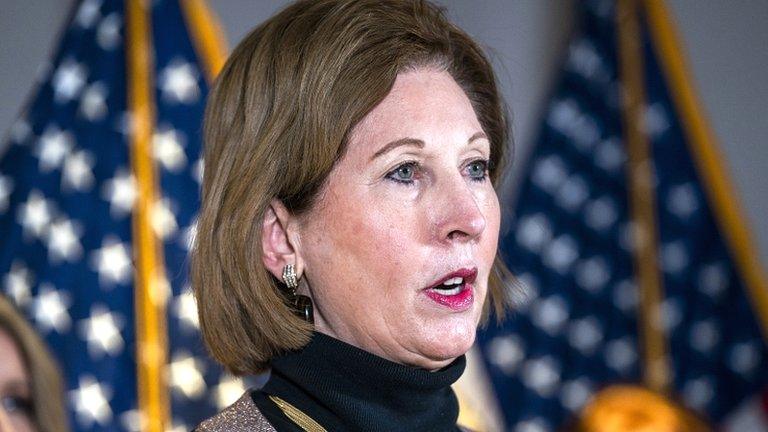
<point x="31" y="395"/>
<point x="349" y="225"/>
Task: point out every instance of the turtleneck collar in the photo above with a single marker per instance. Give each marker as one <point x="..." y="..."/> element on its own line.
<point x="345" y="388"/>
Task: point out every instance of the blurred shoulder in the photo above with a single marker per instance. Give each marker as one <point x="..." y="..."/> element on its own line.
<point x="242" y="415"/>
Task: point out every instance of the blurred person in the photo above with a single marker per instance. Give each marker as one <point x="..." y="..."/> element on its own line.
<point x="31" y="395"/>
<point x="626" y="408"/>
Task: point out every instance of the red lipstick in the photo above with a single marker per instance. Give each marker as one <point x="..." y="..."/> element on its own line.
<point x="458" y="297"/>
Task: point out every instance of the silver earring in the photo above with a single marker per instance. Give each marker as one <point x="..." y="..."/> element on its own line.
<point x="289" y="278"/>
<point x="302" y="305"/>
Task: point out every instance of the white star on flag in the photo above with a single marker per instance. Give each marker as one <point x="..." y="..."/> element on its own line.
<point x="112" y="261"/>
<point x="91" y="402"/>
<point x="186" y="375"/>
<point x="626" y="296"/>
<point x="620" y="354"/>
<point x="35" y="214"/>
<point x="20" y="131"/>
<point x="506" y="353"/>
<point x="655" y="121"/>
<point x="169" y="149"/>
<point x="68" y="80"/>
<point x="163" y="220"/>
<point x="185" y="307"/>
<point x="125" y="123"/>
<point x="108" y="34"/>
<point x="561" y="253"/>
<point x="63" y="241"/>
<point x="534" y="232"/>
<point x="698" y="392"/>
<point x="53" y="146"/>
<point x="178" y="82"/>
<point x="610" y="155"/>
<point x="121" y="193"/>
<point x="178" y="426"/>
<point x="713" y="279"/>
<point x="600" y="214"/>
<point x="550" y="314"/>
<point x="585" y="335"/>
<point x="18" y="282"/>
<point x="575" y="394"/>
<point x="93" y="103"/>
<point x="682" y="200"/>
<point x="228" y="391"/>
<point x="102" y="332"/>
<point x="77" y="171"/>
<point x="532" y="425"/>
<point x="541" y="375"/>
<point x="592" y="274"/>
<point x="133" y="421"/>
<point x="88" y="13"/>
<point x="49" y="309"/>
<point x="705" y="334"/>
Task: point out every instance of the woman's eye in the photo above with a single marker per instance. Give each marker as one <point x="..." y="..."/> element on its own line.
<point x="16" y="404"/>
<point x="404" y="173"/>
<point x="478" y="170"/>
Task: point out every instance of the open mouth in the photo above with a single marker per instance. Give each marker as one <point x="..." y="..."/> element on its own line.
<point x="454" y="290"/>
<point x="452" y="286"/>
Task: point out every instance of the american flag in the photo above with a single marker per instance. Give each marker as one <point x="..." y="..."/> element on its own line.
<point x="69" y="192"/>
<point x="572" y="241"/>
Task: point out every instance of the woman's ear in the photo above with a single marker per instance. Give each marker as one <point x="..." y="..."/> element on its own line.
<point x="278" y="240"/>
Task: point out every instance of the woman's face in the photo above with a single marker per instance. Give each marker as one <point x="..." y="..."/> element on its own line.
<point x="408" y="207"/>
<point x="15" y="392"/>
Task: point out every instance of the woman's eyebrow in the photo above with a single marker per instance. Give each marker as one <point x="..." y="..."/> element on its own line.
<point x="18" y="385"/>
<point x="398" y="143"/>
<point x="477" y="136"/>
<point x="417" y="143"/>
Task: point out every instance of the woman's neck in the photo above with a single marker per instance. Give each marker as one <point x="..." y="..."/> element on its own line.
<point x="345" y="388"/>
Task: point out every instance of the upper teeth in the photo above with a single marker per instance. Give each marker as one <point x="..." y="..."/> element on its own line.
<point x="454" y="281"/>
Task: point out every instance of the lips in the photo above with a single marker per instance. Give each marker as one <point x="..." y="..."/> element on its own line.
<point x="456" y="295"/>
<point x="468" y="275"/>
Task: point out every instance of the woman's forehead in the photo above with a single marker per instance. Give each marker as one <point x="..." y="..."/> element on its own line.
<point x="423" y="104"/>
<point x="12" y="368"/>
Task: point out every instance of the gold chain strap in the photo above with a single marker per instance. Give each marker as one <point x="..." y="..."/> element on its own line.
<point x="297" y="416"/>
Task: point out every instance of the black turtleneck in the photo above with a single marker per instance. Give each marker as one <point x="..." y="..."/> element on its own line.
<point x="344" y="388"/>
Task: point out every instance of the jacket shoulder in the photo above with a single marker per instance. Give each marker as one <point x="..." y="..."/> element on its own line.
<point x="242" y="415"/>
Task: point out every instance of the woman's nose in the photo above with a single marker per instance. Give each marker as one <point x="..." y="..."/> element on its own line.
<point x="458" y="215"/>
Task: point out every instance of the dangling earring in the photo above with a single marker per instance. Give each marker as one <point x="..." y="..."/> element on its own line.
<point x="302" y="304"/>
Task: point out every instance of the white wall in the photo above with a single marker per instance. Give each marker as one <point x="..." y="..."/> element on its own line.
<point x="726" y="43"/>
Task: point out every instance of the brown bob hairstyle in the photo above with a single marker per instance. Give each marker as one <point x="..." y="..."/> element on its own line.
<point x="278" y="119"/>
<point x="46" y="387"/>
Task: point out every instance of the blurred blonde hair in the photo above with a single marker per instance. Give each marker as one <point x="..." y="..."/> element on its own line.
<point x="45" y="378"/>
<point x="626" y="408"/>
<point x="276" y="122"/>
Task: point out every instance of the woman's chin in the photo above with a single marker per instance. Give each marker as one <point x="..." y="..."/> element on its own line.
<point x="442" y="346"/>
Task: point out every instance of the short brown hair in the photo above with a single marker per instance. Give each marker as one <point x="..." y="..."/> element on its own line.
<point x="278" y="119"/>
<point x="46" y="388"/>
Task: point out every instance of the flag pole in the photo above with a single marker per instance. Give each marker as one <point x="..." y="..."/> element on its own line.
<point x="207" y="36"/>
<point x="642" y="198"/>
<point x="151" y="290"/>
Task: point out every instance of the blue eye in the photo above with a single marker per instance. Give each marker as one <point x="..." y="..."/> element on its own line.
<point x="404" y="173"/>
<point x="16" y="404"/>
<point x="478" y="170"/>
